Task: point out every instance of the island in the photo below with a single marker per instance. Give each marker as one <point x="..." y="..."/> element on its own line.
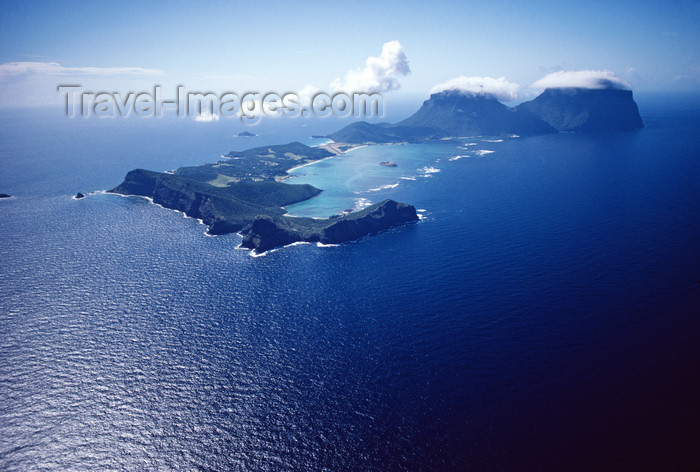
<point x="246" y="134"/>
<point x="79" y="195"/>
<point x="246" y="193"/>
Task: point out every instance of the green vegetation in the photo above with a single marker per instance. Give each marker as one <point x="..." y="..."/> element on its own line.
<point x="256" y="164"/>
<point x="222" y="180"/>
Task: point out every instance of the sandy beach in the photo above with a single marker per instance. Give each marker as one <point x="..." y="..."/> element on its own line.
<point x="337" y="149"/>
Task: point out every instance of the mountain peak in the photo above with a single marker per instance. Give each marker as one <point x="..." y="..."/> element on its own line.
<point x="460" y="113"/>
<point x="570" y="109"/>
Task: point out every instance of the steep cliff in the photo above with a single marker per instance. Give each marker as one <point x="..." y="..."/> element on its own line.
<point x="223" y="209"/>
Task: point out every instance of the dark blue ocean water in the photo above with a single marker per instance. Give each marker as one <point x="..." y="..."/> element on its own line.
<point x="544" y="314"/>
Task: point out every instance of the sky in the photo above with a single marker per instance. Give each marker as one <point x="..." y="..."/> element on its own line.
<point x="291" y="46"/>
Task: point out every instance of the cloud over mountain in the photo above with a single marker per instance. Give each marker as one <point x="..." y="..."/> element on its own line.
<point x="380" y="74"/>
<point x="588" y="79"/>
<point x="500" y="88"/>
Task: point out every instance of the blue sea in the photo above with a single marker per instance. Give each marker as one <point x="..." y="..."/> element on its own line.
<point x="544" y="314"/>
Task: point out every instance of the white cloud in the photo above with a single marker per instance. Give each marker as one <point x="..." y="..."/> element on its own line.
<point x="10" y="69"/>
<point x="589" y="79"/>
<point x="380" y="74"/>
<point x="500" y="88"/>
<point x="307" y="94"/>
<point x="206" y="117"/>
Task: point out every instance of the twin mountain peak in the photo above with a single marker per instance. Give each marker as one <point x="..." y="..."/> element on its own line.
<point x="453" y="113"/>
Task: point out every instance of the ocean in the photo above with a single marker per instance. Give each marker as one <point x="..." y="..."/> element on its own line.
<point x="544" y="314"/>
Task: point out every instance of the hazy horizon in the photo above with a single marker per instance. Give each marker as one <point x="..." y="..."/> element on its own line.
<point x="401" y="50"/>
